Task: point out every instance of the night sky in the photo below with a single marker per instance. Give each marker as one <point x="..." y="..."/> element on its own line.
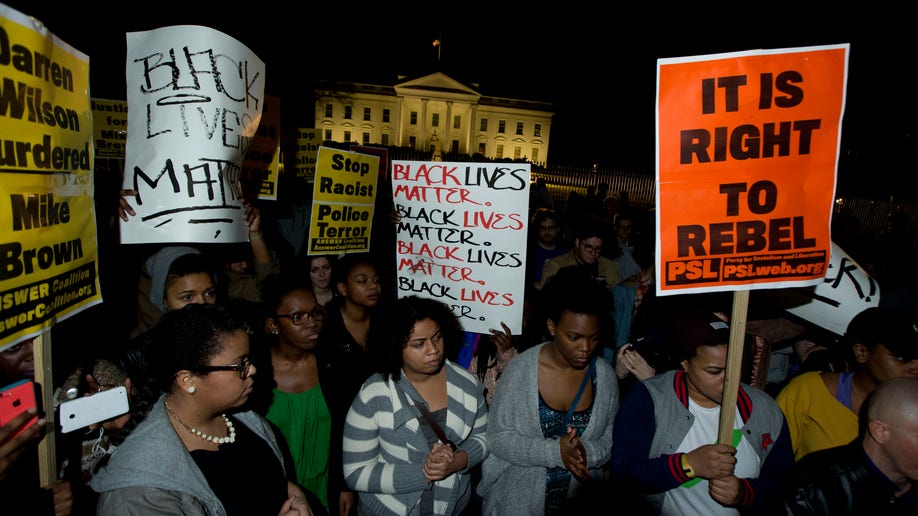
<point x="568" y="55"/>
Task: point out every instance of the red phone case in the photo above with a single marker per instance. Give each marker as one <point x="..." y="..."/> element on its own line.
<point x="15" y="399"/>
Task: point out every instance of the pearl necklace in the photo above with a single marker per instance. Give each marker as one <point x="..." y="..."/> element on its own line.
<point x="230" y="430"/>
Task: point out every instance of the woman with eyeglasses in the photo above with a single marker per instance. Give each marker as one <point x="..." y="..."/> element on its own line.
<point x="293" y="392"/>
<point x="417" y="426"/>
<point x="198" y="451"/>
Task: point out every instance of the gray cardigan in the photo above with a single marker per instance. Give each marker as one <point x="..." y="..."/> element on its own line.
<point x="513" y="475"/>
<point x="152" y="471"/>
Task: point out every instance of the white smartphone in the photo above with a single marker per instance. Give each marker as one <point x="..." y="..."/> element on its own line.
<point x="87" y="410"/>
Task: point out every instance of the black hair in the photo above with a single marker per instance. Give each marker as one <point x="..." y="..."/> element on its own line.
<point x="347" y="263"/>
<point x="407" y="312"/>
<point x="187" y="338"/>
<point x="276" y="287"/>
<point x="587" y="230"/>
<point x="542" y="214"/>
<point x="302" y="266"/>
<point x="192" y="263"/>
<point x="573" y="290"/>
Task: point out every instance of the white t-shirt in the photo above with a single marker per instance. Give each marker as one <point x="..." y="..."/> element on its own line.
<point x="692" y="497"/>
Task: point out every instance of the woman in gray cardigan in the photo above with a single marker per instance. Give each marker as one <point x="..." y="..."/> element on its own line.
<point x="550" y="424"/>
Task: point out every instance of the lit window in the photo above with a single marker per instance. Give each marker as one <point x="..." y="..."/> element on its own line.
<point x="537" y="130"/>
<point x="457" y="122"/>
<point x="484" y="125"/>
<point x="435" y="120"/>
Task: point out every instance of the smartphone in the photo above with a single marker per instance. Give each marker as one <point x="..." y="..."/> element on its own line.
<point x="88" y="410"/>
<point x="15" y="399"/>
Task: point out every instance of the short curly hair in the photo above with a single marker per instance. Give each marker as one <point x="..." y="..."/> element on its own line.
<point x="407" y="312"/>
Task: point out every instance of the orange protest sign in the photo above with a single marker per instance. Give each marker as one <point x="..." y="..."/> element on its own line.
<point x="747" y="157"/>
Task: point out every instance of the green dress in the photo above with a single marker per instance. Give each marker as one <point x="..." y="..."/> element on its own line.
<point x="304" y="420"/>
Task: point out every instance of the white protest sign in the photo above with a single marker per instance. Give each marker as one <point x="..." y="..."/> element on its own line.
<point x="195" y="97"/>
<point x="462" y="238"/>
<point x="846" y="291"/>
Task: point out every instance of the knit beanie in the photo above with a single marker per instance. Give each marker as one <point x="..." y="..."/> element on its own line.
<point x="158" y="266"/>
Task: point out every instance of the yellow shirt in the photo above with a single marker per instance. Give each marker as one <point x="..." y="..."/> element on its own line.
<point x="815" y="418"/>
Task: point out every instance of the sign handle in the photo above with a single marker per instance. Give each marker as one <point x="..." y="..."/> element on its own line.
<point x="47" y="459"/>
<point x="734" y="365"/>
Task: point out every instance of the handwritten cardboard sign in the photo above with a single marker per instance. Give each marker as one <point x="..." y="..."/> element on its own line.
<point x="48" y="254"/>
<point x="195" y="98"/>
<point x="846" y="291"/>
<point x="461" y="238"/>
<point x="747" y="158"/>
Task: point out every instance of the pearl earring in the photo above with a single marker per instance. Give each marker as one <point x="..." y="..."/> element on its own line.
<point x="191" y="390"/>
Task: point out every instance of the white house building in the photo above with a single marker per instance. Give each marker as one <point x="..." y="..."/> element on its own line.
<point x="434" y="113"/>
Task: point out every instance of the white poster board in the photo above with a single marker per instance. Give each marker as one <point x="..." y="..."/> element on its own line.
<point x="462" y="238"/>
<point x="846" y="291"/>
<point x="195" y="98"/>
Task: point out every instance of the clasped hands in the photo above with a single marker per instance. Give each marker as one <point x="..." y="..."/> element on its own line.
<point x="573" y="455"/>
<point x="440" y="462"/>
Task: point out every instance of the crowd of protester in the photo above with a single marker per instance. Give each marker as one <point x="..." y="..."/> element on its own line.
<point x="265" y="381"/>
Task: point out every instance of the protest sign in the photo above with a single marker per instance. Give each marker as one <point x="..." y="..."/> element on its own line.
<point x="261" y="166"/>
<point x="109" y="127"/>
<point x="307" y="142"/>
<point x="747" y="158"/>
<point x="342" y="202"/>
<point x="846" y="291"/>
<point x="461" y="238"/>
<point x="195" y="98"/>
<point x="48" y="254"/>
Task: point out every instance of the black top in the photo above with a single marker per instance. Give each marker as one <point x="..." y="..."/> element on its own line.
<point x="842" y="480"/>
<point x="245" y="475"/>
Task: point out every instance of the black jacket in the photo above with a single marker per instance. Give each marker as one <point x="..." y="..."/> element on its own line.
<point x="842" y="481"/>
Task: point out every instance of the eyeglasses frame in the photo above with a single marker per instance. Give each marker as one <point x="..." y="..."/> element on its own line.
<point x="317" y="314"/>
<point x="242" y="368"/>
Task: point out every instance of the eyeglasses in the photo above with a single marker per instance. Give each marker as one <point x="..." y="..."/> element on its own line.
<point x="592" y="248"/>
<point x="298" y="318"/>
<point x="242" y="368"/>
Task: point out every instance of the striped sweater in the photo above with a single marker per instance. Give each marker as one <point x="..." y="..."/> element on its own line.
<point x="385" y="446"/>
